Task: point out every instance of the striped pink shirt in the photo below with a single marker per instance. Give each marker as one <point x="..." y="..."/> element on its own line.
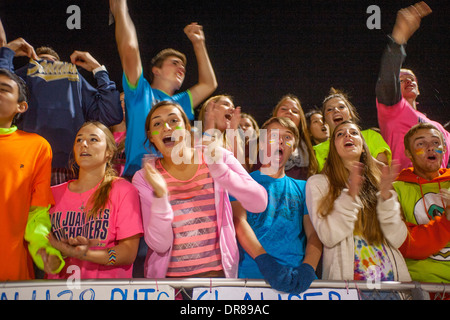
<point x="196" y="242"/>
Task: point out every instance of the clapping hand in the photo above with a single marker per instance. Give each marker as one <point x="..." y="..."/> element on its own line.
<point x="72" y="247"/>
<point x="388" y="176"/>
<point x="355" y="179"/>
<point x="156" y="180"/>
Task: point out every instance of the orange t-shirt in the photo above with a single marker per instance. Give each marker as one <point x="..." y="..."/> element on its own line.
<point x="25" y="173"/>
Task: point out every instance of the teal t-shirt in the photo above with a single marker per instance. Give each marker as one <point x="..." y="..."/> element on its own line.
<point x="138" y="102"/>
<point x="279" y="228"/>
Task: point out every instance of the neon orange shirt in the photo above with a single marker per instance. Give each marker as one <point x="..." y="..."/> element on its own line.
<point x="25" y="171"/>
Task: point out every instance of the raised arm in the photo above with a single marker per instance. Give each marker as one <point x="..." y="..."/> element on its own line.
<point x="388" y="91"/>
<point x="207" y="82"/>
<point x="3" y="40"/>
<point x="127" y="42"/>
<point x="101" y="103"/>
<point x="21" y="48"/>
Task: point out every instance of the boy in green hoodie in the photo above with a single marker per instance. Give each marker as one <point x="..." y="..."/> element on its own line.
<point x="423" y="194"/>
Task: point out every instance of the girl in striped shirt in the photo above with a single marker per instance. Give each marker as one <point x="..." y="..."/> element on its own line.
<point x="187" y="214"/>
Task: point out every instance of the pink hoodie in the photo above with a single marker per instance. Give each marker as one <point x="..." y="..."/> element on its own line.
<point x="157" y="215"/>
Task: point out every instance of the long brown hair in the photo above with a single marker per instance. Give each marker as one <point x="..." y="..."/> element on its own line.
<point x="303" y="132"/>
<point x="367" y="224"/>
<point x="98" y="200"/>
<point x="336" y="93"/>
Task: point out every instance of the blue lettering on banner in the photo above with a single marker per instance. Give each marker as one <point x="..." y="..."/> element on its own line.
<point x="267" y="294"/>
<point x="87" y="294"/>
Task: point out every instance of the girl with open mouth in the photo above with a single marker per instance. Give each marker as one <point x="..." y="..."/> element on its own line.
<point x="337" y="108"/>
<point x="356" y="214"/>
<point x="187" y="216"/>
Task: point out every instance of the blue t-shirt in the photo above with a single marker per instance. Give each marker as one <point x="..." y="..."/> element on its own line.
<point x="139" y="100"/>
<point x="279" y="228"/>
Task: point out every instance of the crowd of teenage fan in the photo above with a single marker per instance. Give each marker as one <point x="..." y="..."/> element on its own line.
<point x="124" y="185"/>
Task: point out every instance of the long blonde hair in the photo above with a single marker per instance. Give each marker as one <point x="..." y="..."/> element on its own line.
<point x="303" y="132"/>
<point x="99" y="199"/>
<point x="367" y="224"/>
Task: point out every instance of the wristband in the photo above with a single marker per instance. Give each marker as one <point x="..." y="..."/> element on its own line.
<point x="101" y="68"/>
<point x="111" y="257"/>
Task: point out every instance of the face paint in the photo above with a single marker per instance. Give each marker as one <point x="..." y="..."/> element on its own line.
<point x="439" y="150"/>
<point x="178" y="128"/>
<point x="155" y="133"/>
<point x="166" y="125"/>
<point x="272" y="141"/>
<point x="419" y="151"/>
<point x="289" y="144"/>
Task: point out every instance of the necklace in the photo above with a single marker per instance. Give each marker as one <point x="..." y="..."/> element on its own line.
<point x="83" y="200"/>
<point x="82" y="196"/>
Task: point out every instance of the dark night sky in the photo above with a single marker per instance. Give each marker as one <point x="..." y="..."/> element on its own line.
<point x="260" y="50"/>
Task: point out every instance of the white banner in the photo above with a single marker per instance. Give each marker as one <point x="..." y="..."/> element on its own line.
<point x="92" y="292"/>
<point x="238" y="293"/>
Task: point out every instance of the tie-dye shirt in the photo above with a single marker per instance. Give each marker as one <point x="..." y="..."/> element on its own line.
<point x="196" y="242"/>
<point x="372" y="262"/>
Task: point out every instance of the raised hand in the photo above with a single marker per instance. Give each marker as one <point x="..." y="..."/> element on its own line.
<point x="194" y="32"/>
<point x="22" y="48"/>
<point x="156" y="180"/>
<point x="84" y="60"/>
<point x="355" y="179"/>
<point x="210" y="116"/>
<point x="236" y="119"/>
<point x="388" y="175"/>
<point x="408" y="21"/>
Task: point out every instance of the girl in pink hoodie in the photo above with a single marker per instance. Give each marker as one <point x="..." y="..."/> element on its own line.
<point x="187" y="215"/>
